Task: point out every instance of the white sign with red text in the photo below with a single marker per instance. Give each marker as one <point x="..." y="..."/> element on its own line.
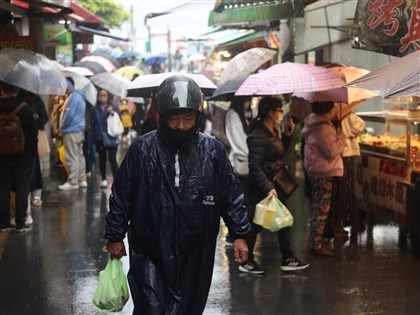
<point x="379" y="182"/>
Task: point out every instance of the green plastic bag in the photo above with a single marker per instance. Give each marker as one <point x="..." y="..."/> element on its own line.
<point x="112" y="291"/>
<point x="272" y="214"/>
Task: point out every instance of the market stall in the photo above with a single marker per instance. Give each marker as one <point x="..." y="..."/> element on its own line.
<point x="390" y="161"/>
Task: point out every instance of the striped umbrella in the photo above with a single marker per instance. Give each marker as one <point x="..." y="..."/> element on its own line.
<point x="289" y="77"/>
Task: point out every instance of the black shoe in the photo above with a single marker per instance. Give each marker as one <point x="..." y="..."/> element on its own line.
<point x="23" y="228"/>
<point x="229" y="241"/>
<point x="252" y="268"/>
<point x="6" y="227"/>
<point x="293" y="264"/>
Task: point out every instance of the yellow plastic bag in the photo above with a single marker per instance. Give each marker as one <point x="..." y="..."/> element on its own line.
<point x="62" y="157"/>
<point x="112" y="292"/>
<point x="272" y="214"/>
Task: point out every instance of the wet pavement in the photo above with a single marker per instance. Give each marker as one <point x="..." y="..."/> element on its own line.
<point x="53" y="269"/>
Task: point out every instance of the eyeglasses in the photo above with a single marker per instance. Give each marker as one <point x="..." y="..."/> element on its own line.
<point x="279" y="110"/>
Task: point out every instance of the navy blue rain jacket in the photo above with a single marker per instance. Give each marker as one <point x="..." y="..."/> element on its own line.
<point x="172" y="232"/>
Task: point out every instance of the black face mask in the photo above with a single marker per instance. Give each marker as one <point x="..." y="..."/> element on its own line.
<point x="178" y="139"/>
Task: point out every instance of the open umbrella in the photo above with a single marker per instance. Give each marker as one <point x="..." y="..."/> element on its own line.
<point x="226" y="90"/>
<point x="108" y="66"/>
<point x="129" y="72"/>
<point x="113" y="83"/>
<point x="146" y="85"/>
<point x="289" y="77"/>
<point x="92" y="66"/>
<point x="79" y="70"/>
<point x="399" y="78"/>
<point x="31" y="71"/>
<point x="246" y="62"/>
<point x="151" y="59"/>
<point x="129" y="54"/>
<point x="343" y="95"/>
<point x="83" y="83"/>
<point x="111" y="58"/>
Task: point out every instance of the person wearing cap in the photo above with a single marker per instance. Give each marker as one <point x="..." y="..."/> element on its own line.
<point x="171" y="189"/>
<point x="72" y="129"/>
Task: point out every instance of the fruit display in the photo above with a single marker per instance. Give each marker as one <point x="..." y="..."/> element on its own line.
<point x="393" y="143"/>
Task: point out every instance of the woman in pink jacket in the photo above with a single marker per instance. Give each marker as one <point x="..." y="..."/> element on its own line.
<point x="323" y="148"/>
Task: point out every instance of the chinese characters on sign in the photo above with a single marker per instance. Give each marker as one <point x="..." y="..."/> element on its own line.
<point x="379" y="182"/>
<point x="387" y="26"/>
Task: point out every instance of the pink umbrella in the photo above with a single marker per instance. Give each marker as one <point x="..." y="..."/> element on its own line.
<point x="343" y="95"/>
<point x="109" y="67"/>
<point x="145" y="86"/>
<point x="289" y="77"/>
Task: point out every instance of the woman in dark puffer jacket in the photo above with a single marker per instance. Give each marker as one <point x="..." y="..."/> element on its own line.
<point x="266" y="152"/>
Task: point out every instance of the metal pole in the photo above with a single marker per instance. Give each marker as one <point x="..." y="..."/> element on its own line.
<point x="169" y="50"/>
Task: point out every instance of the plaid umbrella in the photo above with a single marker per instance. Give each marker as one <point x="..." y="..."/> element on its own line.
<point x="289" y="77"/>
<point x="343" y="95"/>
<point x="246" y="62"/>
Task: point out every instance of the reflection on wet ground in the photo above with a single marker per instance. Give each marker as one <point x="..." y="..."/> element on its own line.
<point x="53" y="269"/>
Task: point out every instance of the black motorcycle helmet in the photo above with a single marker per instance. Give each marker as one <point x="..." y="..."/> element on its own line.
<point x="178" y="94"/>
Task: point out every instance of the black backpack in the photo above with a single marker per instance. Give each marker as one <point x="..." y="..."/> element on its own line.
<point x="12" y="137"/>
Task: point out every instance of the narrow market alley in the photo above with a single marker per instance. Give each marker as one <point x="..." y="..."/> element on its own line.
<point x="53" y="269"/>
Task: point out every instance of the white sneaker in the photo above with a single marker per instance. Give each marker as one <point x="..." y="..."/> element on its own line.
<point x="36" y="202"/>
<point x="68" y="186"/>
<point x="83" y="184"/>
<point x="104" y="183"/>
<point x="29" y="220"/>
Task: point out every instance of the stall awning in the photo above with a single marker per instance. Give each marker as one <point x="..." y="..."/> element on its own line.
<point x="252" y="13"/>
<point x="225" y="36"/>
<point x="247" y="38"/>
<point x="99" y="32"/>
<point x="88" y="16"/>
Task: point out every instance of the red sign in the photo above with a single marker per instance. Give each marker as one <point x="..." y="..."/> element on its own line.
<point x="24" y="42"/>
<point x="387" y="26"/>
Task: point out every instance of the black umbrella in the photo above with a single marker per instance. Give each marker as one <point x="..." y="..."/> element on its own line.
<point x="92" y="66"/>
<point x="226" y="91"/>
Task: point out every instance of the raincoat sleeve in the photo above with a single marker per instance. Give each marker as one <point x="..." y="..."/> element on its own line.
<point x="122" y="198"/>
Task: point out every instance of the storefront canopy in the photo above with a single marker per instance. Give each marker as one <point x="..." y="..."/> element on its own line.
<point x="251" y="13"/>
<point x="98" y="32"/>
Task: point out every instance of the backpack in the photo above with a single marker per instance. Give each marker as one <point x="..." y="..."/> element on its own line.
<point x="12" y="138"/>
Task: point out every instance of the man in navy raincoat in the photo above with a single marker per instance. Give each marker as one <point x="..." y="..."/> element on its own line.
<point x="170" y="192"/>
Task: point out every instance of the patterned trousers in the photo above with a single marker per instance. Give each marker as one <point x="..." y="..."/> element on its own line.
<point x="321" y="204"/>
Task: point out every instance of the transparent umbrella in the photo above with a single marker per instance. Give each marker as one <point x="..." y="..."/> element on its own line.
<point x="83" y="83"/>
<point x="31" y="71"/>
<point x="146" y="85"/>
<point x="113" y="83"/>
<point x="246" y="62"/>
